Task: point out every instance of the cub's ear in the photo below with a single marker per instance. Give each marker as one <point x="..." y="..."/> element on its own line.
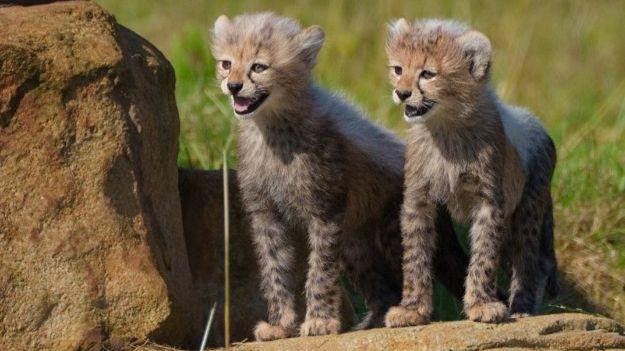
<point x="477" y="49"/>
<point x="397" y="27"/>
<point x="221" y="24"/>
<point x="310" y="40"/>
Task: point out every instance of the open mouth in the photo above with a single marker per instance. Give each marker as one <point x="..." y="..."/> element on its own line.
<point x="244" y="105"/>
<point x="418" y="111"/>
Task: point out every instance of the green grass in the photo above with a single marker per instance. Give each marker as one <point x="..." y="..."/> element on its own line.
<point x="565" y="60"/>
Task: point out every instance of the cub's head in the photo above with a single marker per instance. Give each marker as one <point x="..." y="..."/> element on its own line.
<point x="263" y="60"/>
<point x="436" y="67"/>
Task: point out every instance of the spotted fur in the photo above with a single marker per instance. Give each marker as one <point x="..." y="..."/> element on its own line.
<point x="309" y="159"/>
<point x="490" y="163"/>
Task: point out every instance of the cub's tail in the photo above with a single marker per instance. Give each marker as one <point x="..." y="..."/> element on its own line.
<point x="548" y="262"/>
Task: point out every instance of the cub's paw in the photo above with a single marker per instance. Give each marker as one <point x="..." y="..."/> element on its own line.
<point x="400" y="316"/>
<point x="267" y="332"/>
<point x="520" y="315"/>
<point x="488" y="312"/>
<point x="320" y="326"/>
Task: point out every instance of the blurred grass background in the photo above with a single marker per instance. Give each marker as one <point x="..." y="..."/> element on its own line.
<point x="565" y="60"/>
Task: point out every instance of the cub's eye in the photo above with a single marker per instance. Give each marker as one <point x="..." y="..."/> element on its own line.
<point x="398" y="70"/>
<point x="259" y="67"/>
<point x="425" y="74"/>
<point x="225" y="64"/>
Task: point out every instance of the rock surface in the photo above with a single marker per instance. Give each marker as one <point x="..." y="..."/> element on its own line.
<point x="92" y="248"/>
<point x="568" y="331"/>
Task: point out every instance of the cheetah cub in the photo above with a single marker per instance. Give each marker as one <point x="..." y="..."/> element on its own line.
<point x="490" y="163"/>
<point x="308" y="159"/>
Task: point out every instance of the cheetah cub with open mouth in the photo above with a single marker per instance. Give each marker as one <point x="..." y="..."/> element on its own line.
<point x="490" y="163"/>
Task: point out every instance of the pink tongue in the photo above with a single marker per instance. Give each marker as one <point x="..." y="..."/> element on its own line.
<point x="241" y="104"/>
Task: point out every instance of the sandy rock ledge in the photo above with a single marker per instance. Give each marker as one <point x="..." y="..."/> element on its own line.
<point x="568" y="331"/>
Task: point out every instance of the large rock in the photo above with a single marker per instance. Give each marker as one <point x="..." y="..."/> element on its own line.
<point x="571" y="331"/>
<point x="91" y="242"/>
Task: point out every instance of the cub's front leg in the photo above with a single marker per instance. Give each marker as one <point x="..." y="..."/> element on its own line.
<point x="486" y="235"/>
<point x="322" y="284"/>
<point x="418" y="220"/>
<point x="275" y="258"/>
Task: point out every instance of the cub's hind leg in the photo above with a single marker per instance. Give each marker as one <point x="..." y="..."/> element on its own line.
<point x="450" y="261"/>
<point x="525" y="252"/>
<point x="371" y="275"/>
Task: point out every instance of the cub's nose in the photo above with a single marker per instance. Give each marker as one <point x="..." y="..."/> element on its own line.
<point x="235" y="87"/>
<point x="403" y="94"/>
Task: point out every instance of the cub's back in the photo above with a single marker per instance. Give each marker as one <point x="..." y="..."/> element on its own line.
<point x="525" y="132"/>
<point x="379" y="144"/>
